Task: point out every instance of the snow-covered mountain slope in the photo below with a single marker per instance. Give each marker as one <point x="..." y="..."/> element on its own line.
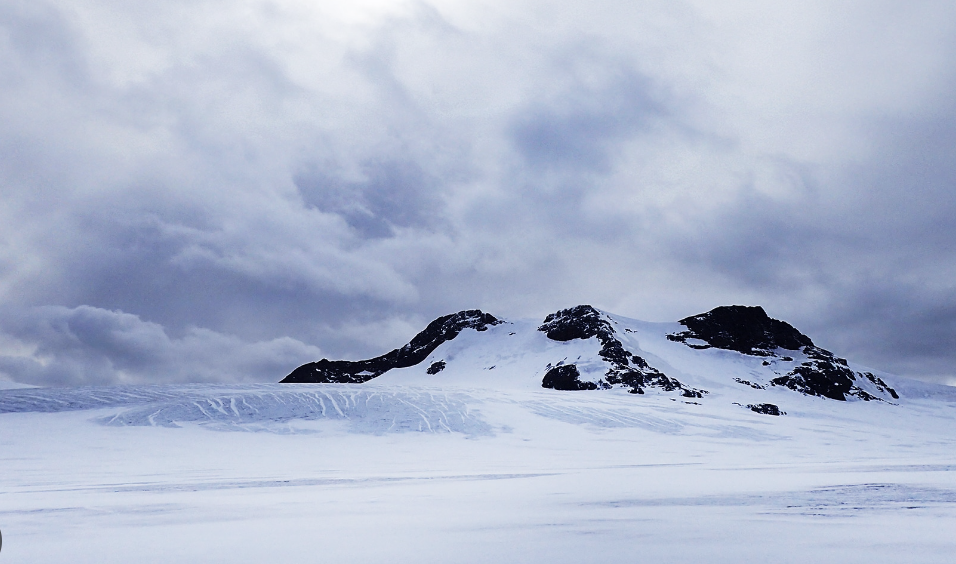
<point x="438" y="332"/>
<point x="736" y="352"/>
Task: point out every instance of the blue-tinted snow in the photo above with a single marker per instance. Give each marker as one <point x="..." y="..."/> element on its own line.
<point x="266" y="407"/>
<point x="395" y="474"/>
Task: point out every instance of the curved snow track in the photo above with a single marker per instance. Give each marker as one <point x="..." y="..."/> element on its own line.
<point x="269" y="407"/>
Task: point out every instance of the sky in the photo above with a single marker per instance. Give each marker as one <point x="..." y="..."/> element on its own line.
<point x="220" y="191"/>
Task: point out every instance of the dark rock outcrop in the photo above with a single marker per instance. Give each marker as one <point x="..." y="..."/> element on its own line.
<point x="443" y="329"/>
<point x="882" y="386"/>
<point x="753" y="385"/>
<point x="766" y="409"/>
<point x="627" y="369"/>
<point x="579" y="322"/>
<point x="750" y="331"/>
<point x="821" y="375"/>
<point x="566" y="377"/>
<point x="825" y="375"/>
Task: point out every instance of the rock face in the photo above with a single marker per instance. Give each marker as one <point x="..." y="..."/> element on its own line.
<point x="750" y="331"/>
<point x="626" y="369"/>
<point x="765" y="408"/>
<point x="747" y="330"/>
<point x="442" y="329"/>
<point x="566" y="377"/>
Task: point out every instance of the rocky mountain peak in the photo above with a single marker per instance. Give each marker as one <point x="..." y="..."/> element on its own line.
<point x="625" y="368"/>
<point x="579" y="322"/>
<point x="443" y="329"/>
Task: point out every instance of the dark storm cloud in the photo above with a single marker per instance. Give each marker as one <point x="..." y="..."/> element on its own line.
<point x="42" y="38"/>
<point x="390" y="194"/>
<point x="214" y="191"/>
<point x="876" y="240"/>
<point x="87" y="345"/>
<point x="579" y="129"/>
<point x="896" y="305"/>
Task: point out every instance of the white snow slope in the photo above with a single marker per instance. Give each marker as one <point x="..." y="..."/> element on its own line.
<point x="480" y="464"/>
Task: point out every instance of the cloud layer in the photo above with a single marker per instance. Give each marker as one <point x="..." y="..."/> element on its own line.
<point x="86" y="345"/>
<point x="221" y="190"/>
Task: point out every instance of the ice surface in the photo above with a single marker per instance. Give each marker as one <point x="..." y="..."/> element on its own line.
<point x="477" y="463"/>
<point x="261" y="407"/>
<point x="458" y="472"/>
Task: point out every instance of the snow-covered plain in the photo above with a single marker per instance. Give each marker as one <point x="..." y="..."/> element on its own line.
<point x="479" y="464"/>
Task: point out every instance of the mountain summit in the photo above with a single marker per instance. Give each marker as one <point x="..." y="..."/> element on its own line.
<point x="443" y="329"/>
<point x="736" y="349"/>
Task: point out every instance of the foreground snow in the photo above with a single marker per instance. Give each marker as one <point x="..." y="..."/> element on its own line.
<point x="383" y="472"/>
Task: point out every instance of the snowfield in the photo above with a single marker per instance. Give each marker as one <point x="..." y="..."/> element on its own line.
<point x="465" y="457"/>
<point x="389" y="473"/>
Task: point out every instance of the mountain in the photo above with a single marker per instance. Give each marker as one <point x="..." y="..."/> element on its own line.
<point x="439" y="331"/>
<point x="730" y="348"/>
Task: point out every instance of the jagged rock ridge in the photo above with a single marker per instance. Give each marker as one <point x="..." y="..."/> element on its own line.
<point x="443" y="329"/>
<point x="823" y="374"/>
<point x="627" y="369"/>
<point x="750" y="331"/>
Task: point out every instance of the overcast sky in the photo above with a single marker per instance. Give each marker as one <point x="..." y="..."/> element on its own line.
<point x="216" y="190"/>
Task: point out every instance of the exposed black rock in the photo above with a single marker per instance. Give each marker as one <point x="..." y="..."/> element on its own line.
<point x="436" y="367"/>
<point x="749" y="383"/>
<point x="584" y="322"/>
<point x="766" y="409"/>
<point x="825" y="375"/>
<point x="627" y="369"/>
<point x="750" y="331"/>
<point x="744" y="329"/>
<point x="566" y="377"/>
<point x="641" y="376"/>
<point x="580" y="322"/>
<point x="819" y="376"/>
<point x="881" y="385"/>
<point x="443" y="329"/>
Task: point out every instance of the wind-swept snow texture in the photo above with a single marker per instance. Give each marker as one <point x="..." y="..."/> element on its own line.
<point x="585" y="437"/>
<point x="388" y="473"/>
<point x="258" y="407"/>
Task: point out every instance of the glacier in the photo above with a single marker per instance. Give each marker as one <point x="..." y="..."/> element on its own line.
<point x="477" y="462"/>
